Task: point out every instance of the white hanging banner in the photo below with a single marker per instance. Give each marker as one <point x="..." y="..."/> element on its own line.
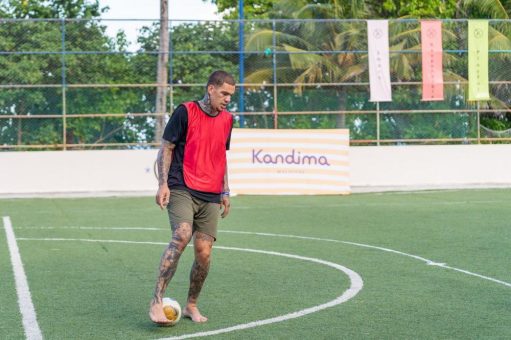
<point x="379" y="70"/>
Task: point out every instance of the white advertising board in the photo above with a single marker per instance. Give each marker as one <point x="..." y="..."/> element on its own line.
<point x="287" y="162"/>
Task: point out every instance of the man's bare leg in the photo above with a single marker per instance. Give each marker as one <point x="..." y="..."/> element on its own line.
<point x="202" y="245"/>
<point x="168" y="265"/>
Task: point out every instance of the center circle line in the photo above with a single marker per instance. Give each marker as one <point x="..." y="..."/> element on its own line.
<point x="356" y="285"/>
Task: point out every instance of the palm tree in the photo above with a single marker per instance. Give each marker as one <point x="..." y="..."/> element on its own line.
<point x="305" y="56"/>
<point x="500" y="63"/>
<point x="308" y="46"/>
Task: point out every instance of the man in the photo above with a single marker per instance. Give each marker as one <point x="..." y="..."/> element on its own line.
<point x="193" y="185"/>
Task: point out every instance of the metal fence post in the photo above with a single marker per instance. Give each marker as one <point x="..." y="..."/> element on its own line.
<point x="64" y="105"/>
<point x="274" y="60"/>
<point x="170" y="81"/>
<point x="478" y="123"/>
<point x="241" y="58"/>
<point x="378" y="123"/>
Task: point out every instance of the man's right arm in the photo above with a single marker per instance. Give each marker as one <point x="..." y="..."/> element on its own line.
<point x="163" y="162"/>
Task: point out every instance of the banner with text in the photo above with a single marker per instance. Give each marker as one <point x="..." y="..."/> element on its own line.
<point x="289" y="162"/>
<point x="432" y="71"/>
<point x="478" y="86"/>
<point x="379" y="69"/>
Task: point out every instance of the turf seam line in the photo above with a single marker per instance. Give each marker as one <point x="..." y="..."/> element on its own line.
<point x="28" y="314"/>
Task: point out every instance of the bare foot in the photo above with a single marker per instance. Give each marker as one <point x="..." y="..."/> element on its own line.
<point x="156" y="314"/>
<point x="192" y="312"/>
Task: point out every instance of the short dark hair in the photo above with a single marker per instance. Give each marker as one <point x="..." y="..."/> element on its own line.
<point x="219" y="77"/>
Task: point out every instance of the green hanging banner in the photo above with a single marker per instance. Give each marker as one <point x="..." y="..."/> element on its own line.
<point x="478" y="87"/>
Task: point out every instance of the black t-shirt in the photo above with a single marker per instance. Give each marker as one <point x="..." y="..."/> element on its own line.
<point x="175" y="133"/>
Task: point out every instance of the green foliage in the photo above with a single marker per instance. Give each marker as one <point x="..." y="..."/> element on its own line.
<point x="483" y="9"/>
<point x="252" y="9"/>
<point x="35" y="69"/>
<point x="82" y="65"/>
<point x="49" y="9"/>
<point x="94" y="58"/>
<point x="415" y="8"/>
<point x="301" y="68"/>
<point x="186" y="68"/>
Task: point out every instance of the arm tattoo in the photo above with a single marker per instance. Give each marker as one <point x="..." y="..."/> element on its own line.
<point x="163" y="160"/>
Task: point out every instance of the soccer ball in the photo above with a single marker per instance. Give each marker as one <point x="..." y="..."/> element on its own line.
<point x="172" y="310"/>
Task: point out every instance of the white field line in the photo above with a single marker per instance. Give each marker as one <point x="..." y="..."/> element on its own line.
<point x="355" y="286"/>
<point x="427" y="261"/>
<point x="96" y="228"/>
<point x="90" y="240"/>
<point x="28" y="315"/>
<point x="354" y="289"/>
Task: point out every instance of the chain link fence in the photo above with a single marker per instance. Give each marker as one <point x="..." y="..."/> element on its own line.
<point x="68" y="84"/>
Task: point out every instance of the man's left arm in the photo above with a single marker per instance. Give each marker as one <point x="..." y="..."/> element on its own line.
<point x="224" y="199"/>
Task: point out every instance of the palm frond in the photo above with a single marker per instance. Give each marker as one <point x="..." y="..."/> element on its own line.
<point x="353" y="71"/>
<point x="498" y="40"/>
<point x="261" y="76"/>
<point x="302" y="60"/>
<point x="493" y="8"/>
<point x="264" y="39"/>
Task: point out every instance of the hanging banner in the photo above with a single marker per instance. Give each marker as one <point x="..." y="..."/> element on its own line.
<point x="289" y="162"/>
<point x="478" y="87"/>
<point x="432" y="71"/>
<point x="379" y="70"/>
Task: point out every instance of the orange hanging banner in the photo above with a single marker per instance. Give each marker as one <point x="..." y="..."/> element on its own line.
<point x="432" y="71"/>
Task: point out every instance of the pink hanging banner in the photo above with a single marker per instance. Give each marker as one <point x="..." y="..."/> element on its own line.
<point x="432" y="71"/>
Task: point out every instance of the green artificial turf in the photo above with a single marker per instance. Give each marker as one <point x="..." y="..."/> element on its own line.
<point x="86" y="285"/>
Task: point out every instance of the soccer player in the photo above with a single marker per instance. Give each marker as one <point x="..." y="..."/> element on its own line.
<point x="193" y="186"/>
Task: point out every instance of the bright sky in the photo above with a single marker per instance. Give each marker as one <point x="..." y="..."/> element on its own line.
<point x="150" y="9"/>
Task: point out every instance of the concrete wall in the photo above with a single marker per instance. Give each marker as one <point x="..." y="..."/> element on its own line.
<point x="430" y="167"/>
<point x="77" y="172"/>
<point x="372" y="169"/>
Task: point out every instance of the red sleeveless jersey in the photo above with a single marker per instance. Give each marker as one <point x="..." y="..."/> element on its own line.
<point x="204" y="159"/>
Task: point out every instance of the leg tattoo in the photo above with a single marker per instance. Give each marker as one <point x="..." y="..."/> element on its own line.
<point x="198" y="275"/>
<point x="170" y="259"/>
<point x="200" y="268"/>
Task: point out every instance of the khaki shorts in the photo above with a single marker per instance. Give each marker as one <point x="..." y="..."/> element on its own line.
<point x="201" y="215"/>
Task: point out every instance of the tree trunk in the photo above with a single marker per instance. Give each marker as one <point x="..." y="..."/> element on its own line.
<point x="340" y="119"/>
<point x="20" y="132"/>
<point x="162" y="78"/>
<point x="21" y="111"/>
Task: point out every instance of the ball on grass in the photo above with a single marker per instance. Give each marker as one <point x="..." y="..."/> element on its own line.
<point x="172" y="310"/>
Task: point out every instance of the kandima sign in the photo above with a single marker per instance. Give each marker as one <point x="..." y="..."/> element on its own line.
<point x="289" y="162"/>
<point x="293" y="157"/>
